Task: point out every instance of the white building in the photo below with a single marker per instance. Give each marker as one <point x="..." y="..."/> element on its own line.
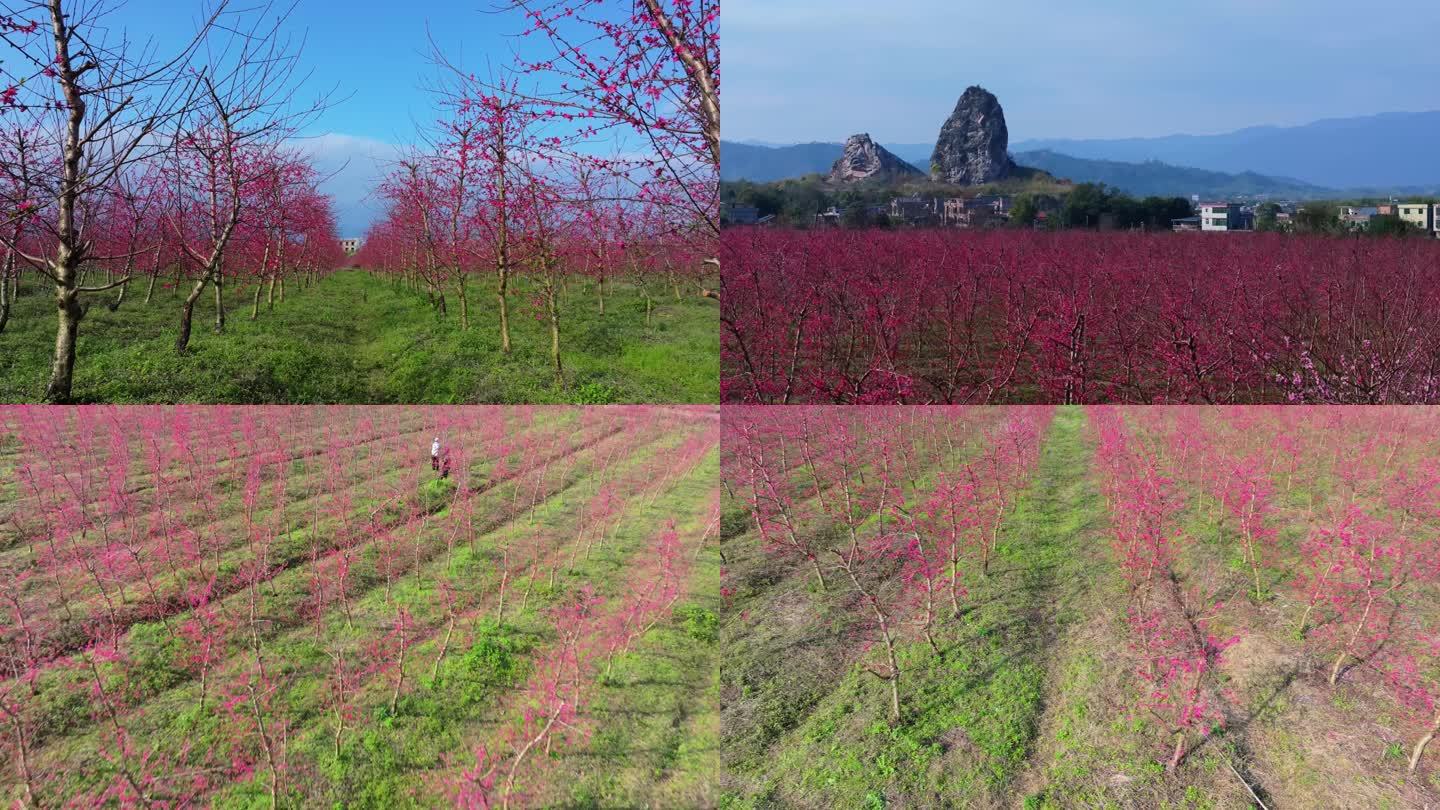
<point x="1421" y="215"/>
<point x="350" y="246"/>
<point x="1219" y="216"/>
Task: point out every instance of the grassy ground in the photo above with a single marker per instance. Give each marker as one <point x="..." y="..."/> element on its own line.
<point x="970" y="715"/>
<point x="1029" y="703"/>
<point x="355" y="338"/>
<point x="649" y="729"/>
<point x="656" y="736"/>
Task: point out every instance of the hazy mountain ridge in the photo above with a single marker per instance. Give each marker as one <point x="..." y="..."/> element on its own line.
<point x="768" y="164"/>
<point x="1397" y="150"/>
<point x="1162" y="179"/>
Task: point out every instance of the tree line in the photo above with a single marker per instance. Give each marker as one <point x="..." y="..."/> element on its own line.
<point x="523" y="171"/>
<point x="122" y="163"/>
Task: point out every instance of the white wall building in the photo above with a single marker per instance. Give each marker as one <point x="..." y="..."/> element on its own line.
<point x="350" y="246"/>
<point x="1219" y="216"/>
<point x="1421" y="215"/>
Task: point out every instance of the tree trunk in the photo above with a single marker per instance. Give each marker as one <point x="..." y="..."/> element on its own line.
<point x="554" y="307"/>
<point x="260" y="282"/>
<point x="894" y="694"/>
<point x="1178" y="754"/>
<point x="150" y="288"/>
<point x="444" y="647"/>
<point x="1077" y="339"/>
<point x="400" y="675"/>
<point x="520" y="756"/>
<point x="464" y="300"/>
<point x="62" y="370"/>
<point x="819" y="577"/>
<point x="22" y="752"/>
<point x="119" y="299"/>
<point x="1419" y="749"/>
<point x="14" y="286"/>
<point x="4" y="299"/>
<point x="339" y="729"/>
<point x="187" y="315"/>
<point x="219" y="301"/>
<point x="504" y="281"/>
<point x="1355" y="636"/>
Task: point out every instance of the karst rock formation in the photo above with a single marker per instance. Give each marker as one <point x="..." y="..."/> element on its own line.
<point x="973" y="145"/>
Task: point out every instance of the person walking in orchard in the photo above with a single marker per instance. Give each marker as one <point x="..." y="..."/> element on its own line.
<point x="435" y="454"/>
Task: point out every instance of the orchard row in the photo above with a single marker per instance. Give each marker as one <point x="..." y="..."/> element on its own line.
<point x="122" y="165"/>
<point x="531" y="169"/>
<point x="292" y="605"/>
<point x="1247" y="546"/>
<point x="835" y="316"/>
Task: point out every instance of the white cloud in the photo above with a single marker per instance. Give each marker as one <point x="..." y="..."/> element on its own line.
<point x="352" y="167"/>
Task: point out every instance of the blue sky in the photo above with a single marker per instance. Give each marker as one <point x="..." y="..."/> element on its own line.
<point x="374" y="59"/>
<point x="807" y="70"/>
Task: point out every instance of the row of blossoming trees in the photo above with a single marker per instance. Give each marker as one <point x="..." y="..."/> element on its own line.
<point x="1332" y="517"/>
<point x="597" y="163"/>
<point x="202" y="602"/>
<point x="1001" y="317"/>
<point x="900" y="508"/>
<point x="123" y="166"/>
<point x="1168" y="618"/>
<point x="1310" y="533"/>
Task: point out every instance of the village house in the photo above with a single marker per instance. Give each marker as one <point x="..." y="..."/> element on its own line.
<point x="1358" y="217"/>
<point x="1421" y="215"/>
<point x="975" y="212"/>
<point x="915" y="210"/>
<point x="740" y="215"/>
<point x="1220" y="216"/>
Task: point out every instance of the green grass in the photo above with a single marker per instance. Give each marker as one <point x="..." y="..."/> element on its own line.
<point x="654" y="716"/>
<point x="356" y="338"/>
<point x="970" y="716"/>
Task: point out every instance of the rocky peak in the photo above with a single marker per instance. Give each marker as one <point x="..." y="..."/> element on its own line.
<point x="973" y="144"/>
<point x="863" y="159"/>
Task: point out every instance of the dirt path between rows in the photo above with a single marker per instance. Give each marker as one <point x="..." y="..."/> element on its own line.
<point x="1059" y="530"/>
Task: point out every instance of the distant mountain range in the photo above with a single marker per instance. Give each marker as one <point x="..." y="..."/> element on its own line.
<point x="1392" y="153"/>
<point x="1163" y="180"/>
<point x="766" y="164"/>
<point x="1388" y="150"/>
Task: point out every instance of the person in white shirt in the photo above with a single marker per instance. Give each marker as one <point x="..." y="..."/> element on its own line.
<point x="435" y="454"/>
